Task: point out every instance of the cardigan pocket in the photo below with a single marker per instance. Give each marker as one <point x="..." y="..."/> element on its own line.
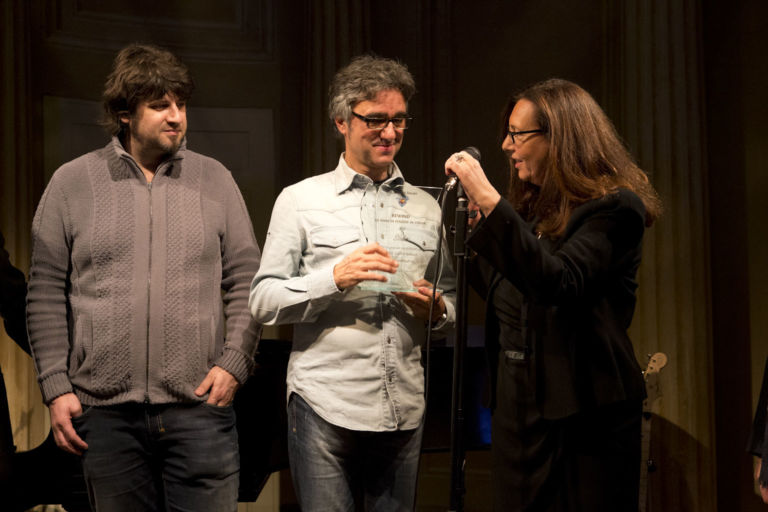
<point x="80" y="345"/>
<point x="109" y="346"/>
<point x="100" y="365"/>
<point x="79" y="368"/>
<point x="212" y="352"/>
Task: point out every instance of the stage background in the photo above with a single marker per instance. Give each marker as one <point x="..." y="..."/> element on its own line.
<point x="683" y="80"/>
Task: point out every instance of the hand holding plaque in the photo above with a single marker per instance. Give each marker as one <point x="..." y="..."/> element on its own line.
<point x="420" y="301"/>
<point x="360" y="266"/>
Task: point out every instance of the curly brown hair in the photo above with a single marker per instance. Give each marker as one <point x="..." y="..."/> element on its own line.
<point x="142" y="72"/>
<point x="586" y="160"/>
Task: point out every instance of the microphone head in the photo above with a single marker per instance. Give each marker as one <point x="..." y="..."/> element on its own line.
<point x="453" y="180"/>
<point x="473" y="151"/>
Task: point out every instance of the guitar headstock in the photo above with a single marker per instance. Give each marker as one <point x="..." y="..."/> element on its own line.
<point x="656" y="362"/>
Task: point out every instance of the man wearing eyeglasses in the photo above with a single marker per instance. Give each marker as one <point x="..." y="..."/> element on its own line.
<point x="355" y="381"/>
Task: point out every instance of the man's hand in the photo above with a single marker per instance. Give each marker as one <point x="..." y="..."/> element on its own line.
<point x="222" y="386"/>
<point x="63" y="408"/>
<point x="358" y="264"/>
<point x="419" y="301"/>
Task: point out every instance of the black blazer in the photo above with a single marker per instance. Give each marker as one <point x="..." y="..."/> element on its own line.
<point x="757" y="438"/>
<point x="578" y="299"/>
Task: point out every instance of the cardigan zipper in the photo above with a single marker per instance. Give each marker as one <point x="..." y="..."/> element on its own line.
<point x="149" y="295"/>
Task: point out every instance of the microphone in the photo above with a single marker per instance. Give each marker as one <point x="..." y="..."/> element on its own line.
<point x="453" y="180"/>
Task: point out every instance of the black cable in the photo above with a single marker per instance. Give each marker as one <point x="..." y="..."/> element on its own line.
<point x="435" y="280"/>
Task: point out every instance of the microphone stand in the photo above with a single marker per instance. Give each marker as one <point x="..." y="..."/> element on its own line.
<point x="457" y="399"/>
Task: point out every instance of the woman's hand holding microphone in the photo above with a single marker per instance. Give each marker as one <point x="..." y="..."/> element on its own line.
<point x="481" y="194"/>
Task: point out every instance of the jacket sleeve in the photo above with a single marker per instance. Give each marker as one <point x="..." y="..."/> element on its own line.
<point x="756" y="444"/>
<point x="282" y="292"/>
<point x="600" y="234"/>
<point x="239" y="263"/>
<point x="13" y="294"/>
<point x="47" y="296"/>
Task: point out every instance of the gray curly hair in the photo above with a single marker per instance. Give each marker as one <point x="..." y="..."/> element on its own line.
<point x="362" y="79"/>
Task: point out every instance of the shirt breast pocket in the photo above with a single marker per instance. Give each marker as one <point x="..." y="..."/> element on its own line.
<point x="416" y="249"/>
<point x="330" y="241"/>
<point x="424" y="239"/>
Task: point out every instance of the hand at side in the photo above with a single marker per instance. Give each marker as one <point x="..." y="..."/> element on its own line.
<point x="63" y="408"/>
<point x="220" y="386"/>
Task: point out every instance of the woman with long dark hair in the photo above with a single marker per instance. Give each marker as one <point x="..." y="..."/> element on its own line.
<point x="556" y="260"/>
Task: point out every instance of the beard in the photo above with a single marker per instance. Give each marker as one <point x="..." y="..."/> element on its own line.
<point x="169" y="146"/>
<point x="159" y="143"/>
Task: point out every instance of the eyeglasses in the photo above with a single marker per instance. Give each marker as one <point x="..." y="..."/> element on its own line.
<point x="523" y="132"/>
<point x="379" y="123"/>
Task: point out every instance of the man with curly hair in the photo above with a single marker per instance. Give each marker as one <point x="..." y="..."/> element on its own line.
<point x="137" y="307"/>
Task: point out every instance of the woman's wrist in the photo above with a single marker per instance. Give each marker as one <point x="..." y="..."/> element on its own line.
<point x="489" y="204"/>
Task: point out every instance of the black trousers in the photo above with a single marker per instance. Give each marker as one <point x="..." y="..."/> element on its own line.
<point x="6" y="439"/>
<point x="589" y="462"/>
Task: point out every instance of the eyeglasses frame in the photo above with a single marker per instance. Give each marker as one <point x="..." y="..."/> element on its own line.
<point x="407" y="120"/>
<point x="512" y="134"/>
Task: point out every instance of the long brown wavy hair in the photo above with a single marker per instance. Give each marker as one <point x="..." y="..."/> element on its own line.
<point x="586" y="160"/>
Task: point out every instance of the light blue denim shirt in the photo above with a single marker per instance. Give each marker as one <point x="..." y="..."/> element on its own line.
<point x="356" y="356"/>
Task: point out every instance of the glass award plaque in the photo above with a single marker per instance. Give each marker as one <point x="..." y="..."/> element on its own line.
<point x="411" y="241"/>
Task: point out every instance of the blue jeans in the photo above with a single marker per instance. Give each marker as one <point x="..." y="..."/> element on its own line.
<point x="333" y="467"/>
<point x="160" y="457"/>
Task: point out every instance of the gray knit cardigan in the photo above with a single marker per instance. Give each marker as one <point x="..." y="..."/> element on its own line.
<point x="134" y="284"/>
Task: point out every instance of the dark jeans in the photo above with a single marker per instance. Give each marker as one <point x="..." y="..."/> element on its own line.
<point x="160" y="457"/>
<point x="333" y="467"/>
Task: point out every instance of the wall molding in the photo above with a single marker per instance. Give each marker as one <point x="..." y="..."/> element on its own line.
<point x="230" y="30"/>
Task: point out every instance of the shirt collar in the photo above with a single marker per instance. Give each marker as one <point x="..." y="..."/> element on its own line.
<point x="123" y="154"/>
<point x="346" y="178"/>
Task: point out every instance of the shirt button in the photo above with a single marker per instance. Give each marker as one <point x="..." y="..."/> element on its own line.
<point x="382" y="205"/>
